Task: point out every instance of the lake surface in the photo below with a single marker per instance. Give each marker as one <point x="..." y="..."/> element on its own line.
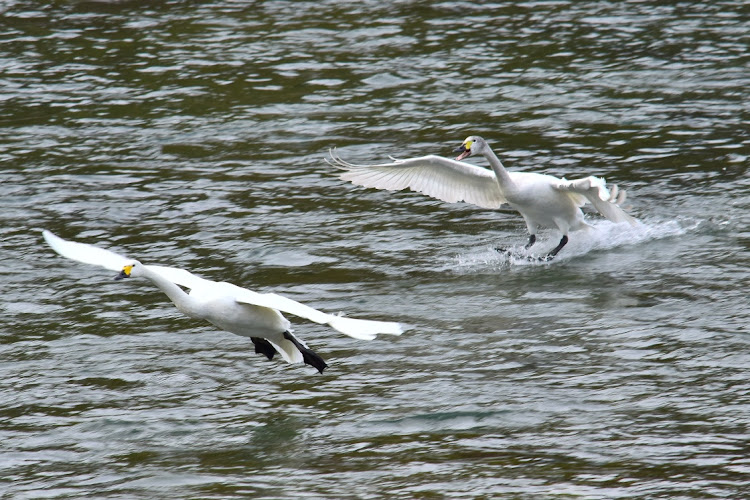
<point x="193" y="134"/>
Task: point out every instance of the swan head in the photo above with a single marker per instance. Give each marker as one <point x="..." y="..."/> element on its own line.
<point x="472" y="145"/>
<point x="129" y="269"/>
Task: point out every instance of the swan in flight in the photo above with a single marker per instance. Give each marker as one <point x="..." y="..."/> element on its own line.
<point x="543" y="200"/>
<point x="227" y="306"/>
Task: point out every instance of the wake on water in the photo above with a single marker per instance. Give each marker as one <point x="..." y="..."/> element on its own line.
<point x="603" y="235"/>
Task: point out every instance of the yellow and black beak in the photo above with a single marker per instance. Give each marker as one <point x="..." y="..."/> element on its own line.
<point x="464" y="149"/>
<point x="125" y="273"/>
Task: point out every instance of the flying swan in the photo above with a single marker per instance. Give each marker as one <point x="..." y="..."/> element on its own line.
<point x="543" y="200"/>
<point x="227" y="306"/>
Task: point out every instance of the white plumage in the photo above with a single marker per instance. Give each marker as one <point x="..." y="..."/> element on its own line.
<point x="227" y="306"/>
<point x="543" y="200"/>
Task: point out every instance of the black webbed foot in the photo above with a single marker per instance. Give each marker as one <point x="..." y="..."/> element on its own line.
<point x="531" y="258"/>
<point x="262" y="346"/>
<point x="563" y="242"/>
<point x="532" y="240"/>
<point x="308" y="356"/>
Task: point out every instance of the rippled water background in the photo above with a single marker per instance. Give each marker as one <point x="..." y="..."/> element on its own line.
<point x="193" y="134"/>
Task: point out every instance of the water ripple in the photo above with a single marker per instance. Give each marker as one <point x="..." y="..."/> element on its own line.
<point x="193" y="135"/>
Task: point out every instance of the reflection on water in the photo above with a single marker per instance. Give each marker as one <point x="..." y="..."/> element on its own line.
<point x="193" y="135"/>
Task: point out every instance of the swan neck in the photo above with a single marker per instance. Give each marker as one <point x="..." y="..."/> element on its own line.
<point x="177" y="295"/>
<point x="497" y="166"/>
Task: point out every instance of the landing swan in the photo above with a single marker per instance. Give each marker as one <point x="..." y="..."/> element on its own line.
<point x="227" y="306"/>
<point x="543" y="200"/>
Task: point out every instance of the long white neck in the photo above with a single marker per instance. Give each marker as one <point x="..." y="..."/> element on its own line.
<point x="177" y="295"/>
<point x="503" y="177"/>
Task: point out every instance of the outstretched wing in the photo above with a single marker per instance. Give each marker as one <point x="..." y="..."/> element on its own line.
<point x="88" y="254"/>
<point x="181" y="277"/>
<point x="435" y="176"/>
<point x="596" y="192"/>
<point x="358" y="328"/>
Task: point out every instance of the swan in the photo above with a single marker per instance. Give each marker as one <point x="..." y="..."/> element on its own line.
<point x="227" y="306"/>
<point x="543" y="200"/>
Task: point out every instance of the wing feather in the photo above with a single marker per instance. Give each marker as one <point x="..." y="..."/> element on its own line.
<point x="182" y="277"/>
<point x="89" y="254"/>
<point x="441" y="178"/>
<point x="83" y="252"/>
<point x="358" y="328"/>
<point x="594" y="189"/>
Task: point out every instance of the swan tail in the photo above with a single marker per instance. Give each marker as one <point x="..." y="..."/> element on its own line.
<point x="364" y="329"/>
<point x="605" y="200"/>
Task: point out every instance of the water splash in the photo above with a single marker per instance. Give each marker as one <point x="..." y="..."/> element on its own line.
<point x="603" y="235"/>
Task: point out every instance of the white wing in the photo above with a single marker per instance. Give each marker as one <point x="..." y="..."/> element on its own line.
<point x="358" y="328"/>
<point x="181" y="277"/>
<point x="435" y="176"/>
<point x="596" y="192"/>
<point x="88" y="254"/>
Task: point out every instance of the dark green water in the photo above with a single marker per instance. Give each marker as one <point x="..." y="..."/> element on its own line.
<point x="193" y="134"/>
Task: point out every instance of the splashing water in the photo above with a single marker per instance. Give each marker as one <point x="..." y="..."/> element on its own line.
<point x="603" y="235"/>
